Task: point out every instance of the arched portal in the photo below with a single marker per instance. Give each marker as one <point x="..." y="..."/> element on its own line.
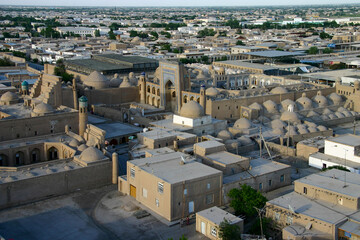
<point x="35" y="155"/>
<point x="170" y="100"/>
<point x="19" y="158"/>
<point x="53" y="153"/>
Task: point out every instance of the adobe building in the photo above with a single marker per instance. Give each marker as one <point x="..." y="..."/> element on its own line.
<point x="322" y="206"/>
<point x="208" y="221"/>
<point x="172" y="185"/>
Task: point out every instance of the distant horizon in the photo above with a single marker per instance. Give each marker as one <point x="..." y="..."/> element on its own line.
<point x="166" y="3"/>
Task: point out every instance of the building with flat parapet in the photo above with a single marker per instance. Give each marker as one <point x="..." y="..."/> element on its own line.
<point x="109" y="64"/>
<point x="322" y="206"/>
<point x="173" y="185"/>
<point x="209" y="220"/>
<point x="342" y="151"/>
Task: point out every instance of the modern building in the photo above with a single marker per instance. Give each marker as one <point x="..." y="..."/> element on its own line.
<point x="342" y="151"/>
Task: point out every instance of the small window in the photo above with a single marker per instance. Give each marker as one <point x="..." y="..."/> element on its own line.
<point x="282" y="178"/>
<point x="277" y="216"/>
<point x="218" y="108"/>
<point x="260" y="186"/>
<point x="305" y="190"/>
<point x="270" y="182"/>
<point x="208" y="186"/>
<point x="289" y="220"/>
<point x="202" y="122"/>
<point x="160" y="187"/>
<point x="214" y="231"/>
<point x="35" y="133"/>
<point x="132" y="172"/>
<point x="185" y="191"/>
<point x="157" y="202"/>
<point x="209" y="198"/>
<point x="341" y="201"/>
<point x="144" y="193"/>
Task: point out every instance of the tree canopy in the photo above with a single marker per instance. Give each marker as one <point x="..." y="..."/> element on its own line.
<point x="228" y="231"/>
<point x="244" y="200"/>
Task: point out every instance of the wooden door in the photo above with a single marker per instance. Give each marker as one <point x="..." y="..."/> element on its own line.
<point x="132" y="191"/>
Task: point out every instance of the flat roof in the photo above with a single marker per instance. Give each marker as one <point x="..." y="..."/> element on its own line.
<point x="217" y="215"/>
<point x="308" y="207"/>
<point x="333" y="180"/>
<point x="209" y="144"/>
<point x="274" y="54"/>
<point x="351" y="227"/>
<point x="337" y="160"/>
<point x="241" y="63"/>
<point x="346" y="139"/>
<point x="97" y="65"/>
<point x="168" y="167"/>
<point x="225" y="157"/>
<point x="117" y="129"/>
<point x="129" y="59"/>
<point x="258" y="167"/>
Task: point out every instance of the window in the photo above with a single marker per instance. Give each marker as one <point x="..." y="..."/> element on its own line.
<point x="157" y="202"/>
<point x="340" y="200"/>
<point x="282" y="178"/>
<point x="213" y="231"/>
<point x="132" y="172"/>
<point x="277" y="216"/>
<point x="144" y="193"/>
<point x="35" y="133"/>
<point x="270" y="182"/>
<point x="260" y="186"/>
<point x="209" y="198"/>
<point x="208" y="186"/>
<point x="160" y="187"/>
<point x="185" y="191"/>
<point x="305" y="190"/>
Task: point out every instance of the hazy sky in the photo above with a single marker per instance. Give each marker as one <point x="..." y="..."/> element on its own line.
<point x="170" y="2"/>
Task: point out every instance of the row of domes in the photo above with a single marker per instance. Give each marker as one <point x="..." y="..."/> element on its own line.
<point x="99" y="81"/>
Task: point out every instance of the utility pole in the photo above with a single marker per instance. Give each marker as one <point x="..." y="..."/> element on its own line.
<point x="260" y="141"/>
<point x="259" y="211"/>
<point x="354" y="127"/>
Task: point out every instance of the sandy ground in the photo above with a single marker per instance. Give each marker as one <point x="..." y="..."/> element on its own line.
<point x="94" y="214"/>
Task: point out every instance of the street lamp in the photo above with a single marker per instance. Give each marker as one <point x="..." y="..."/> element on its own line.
<point x="345" y="150"/>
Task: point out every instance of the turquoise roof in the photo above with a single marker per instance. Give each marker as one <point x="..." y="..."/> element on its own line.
<point x="83" y="99"/>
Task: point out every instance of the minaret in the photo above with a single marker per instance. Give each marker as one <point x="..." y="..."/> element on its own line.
<point x="75" y="97"/>
<point x="203" y="97"/>
<point x="115" y="168"/>
<point x="25" y="88"/>
<point x="83" y="102"/>
<point x="142" y="84"/>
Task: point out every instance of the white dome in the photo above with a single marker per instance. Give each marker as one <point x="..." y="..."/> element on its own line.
<point x="74" y="143"/>
<point x="289" y="116"/>
<point x="97" y="80"/>
<point x="115" y="81"/>
<point x="43" y="108"/>
<point x="9" y="97"/>
<point x="320" y="100"/>
<point x="126" y="83"/>
<point x="256" y="106"/>
<point x="277" y="123"/>
<point x="192" y="109"/>
<point x="270" y="106"/>
<point x="212" y="92"/>
<point x="304" y="102"/>
<point x="91" y="154"/>
<point x="242" y="123"/>
<point x="279" y="90"/>
<point x="224" y="135"/>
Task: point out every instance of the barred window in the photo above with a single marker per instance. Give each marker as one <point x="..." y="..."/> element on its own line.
<point x="160" y="187"/>
<point x="132" y="172"/>
<point x="209" y="198"/>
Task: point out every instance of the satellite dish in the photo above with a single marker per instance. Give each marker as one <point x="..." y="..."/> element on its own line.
<point x="145" y="130"/>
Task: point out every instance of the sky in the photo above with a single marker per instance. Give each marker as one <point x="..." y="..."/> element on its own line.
<point x="123" y="3"/>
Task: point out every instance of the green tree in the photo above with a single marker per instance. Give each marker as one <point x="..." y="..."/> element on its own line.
<point x="336" y="167"/>
<point x="328" y="50"/>
<point x="112" y="36"/>
<point x="228" y="231"/>
<point x="256" y="229"/>
<point x="205" y="59"/>
<point x="240" y="43"/>
<point x="244" y="200"/>
<point x="97" y="33"/>
<point x="154" y="34"/>
<point x="313" y="50"/>
<point x="324" y="35"/>
<point x="60" y="70"/>
<point x="4" y="62"/>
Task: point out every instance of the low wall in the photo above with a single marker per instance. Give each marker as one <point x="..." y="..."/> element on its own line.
<point x="55" y="184"/>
